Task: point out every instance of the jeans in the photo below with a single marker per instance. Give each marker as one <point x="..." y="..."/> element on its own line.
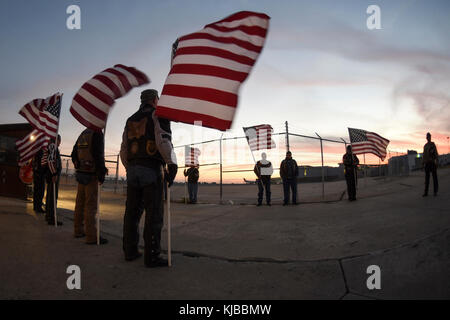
<point x="193" y="190"/>
<point x="351" y="185"/>
<point x="144" y="188"/>
<point x="290" y="184"/>
<point x="49" y="204"/>
<point x="38" y="189"/>
<point x="86" y="209"/>
<point x="430" y="167"/>
<point x="263" y="183"/>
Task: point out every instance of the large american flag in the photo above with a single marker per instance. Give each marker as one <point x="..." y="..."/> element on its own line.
<point x="208" y="69"/>
<point x="191" y="156"/>
<point x="367" y="142"/>
<point x="43" y="115"/>
<point x="259" y="137"/>
<point x="92" y="103"/>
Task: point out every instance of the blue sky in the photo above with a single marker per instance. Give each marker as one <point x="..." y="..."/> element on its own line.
<point x="321" y="69"/>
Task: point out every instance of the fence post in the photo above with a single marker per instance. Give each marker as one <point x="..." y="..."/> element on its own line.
<point x="287" y="136"/>
<point x="67" y="170"/>
<point x="117" y="174"/>
<point x="323" y="176"/>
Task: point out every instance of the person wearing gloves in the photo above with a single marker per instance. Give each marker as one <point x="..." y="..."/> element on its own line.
<point x="89" y="161"/>
<point x="145" y="152"/>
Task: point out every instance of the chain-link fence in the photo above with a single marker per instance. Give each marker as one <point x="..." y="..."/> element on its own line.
<point x="113" y="182"/>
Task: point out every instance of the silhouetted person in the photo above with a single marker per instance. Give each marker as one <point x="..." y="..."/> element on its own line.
<point x="38" y="182"/>
<point x="289" y="173"/>
<point x="351" y="163"/>
<point x="53" y="172"/>
<point x="193" y="176"/>
<point x="145" y="151"/>
<point x="89" y="161"/>
<point x="263" y="170"/>
<point x="430" y="163"/>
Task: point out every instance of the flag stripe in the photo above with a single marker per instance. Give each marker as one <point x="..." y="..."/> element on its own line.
<point x="204" y="81"/>
<point x="207" y="60"/>
<point x="193" y="117"/>
<point x="209" y="71"/>
<point x="232" y="33"/>
<point x="240" y="43"/>
<point x="249" y="30"/>
<point x="206" y="94"/>
<point x="218" y="111"/>
<point x="92" y="103"/>
<point x="224" y="46"/>
<point x="217" y="52"/>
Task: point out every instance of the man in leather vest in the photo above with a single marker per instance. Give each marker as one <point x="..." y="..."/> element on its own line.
<point x="351" y="163"/>
<point x="263" y="170"/>
<point x="89" y="161"/>
<point x="145" y="151"/>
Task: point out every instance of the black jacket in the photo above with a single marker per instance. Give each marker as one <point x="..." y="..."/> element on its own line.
<point x="288" y="169"/>
<point x="98" y="154"/>
<point x="192" y="174"/>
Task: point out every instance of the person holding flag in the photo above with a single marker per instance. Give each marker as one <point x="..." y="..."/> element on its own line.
<point x="145" y="150"/>
<point x="38" y="182"/>
<point x="89" y="160"/>
<point x="193" y="175"/>
<point x="53" y="172"/>
<point x="351" y="163"/>
<point x="263" y="170"/>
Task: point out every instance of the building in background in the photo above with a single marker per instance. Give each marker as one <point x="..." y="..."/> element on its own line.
<point x="10" y="184"/>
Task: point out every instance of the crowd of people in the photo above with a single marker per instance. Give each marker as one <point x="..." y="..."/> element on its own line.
<point x="149" y="159"/>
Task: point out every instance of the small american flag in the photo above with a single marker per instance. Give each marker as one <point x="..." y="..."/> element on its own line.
<point x="208" y="69"/>
<point x="191" y="156"/>
<point x="259" y="137"/>
<point x="30" y="145"/>
<point x="43" y="114"/>
<point x="92" y="103"/>
<point x="368" y="142"/>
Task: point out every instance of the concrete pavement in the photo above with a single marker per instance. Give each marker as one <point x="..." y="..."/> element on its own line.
<point x="310" y="251"/>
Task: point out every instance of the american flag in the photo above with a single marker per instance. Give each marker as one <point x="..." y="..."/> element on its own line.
<point x="43" y="114"/>
<point x="367" y="142"/>
<point x="92" y="103"/>
<point x="30" y="145"/>
<point x="208" y="69"/>
<point x="191" y="156"/>
<point x="259" y="137"/>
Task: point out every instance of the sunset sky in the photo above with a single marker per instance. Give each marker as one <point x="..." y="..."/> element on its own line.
<point x="322" y="70"/>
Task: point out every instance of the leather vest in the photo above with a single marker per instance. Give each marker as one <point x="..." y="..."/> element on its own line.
<point x="84" y="149"/>
<point x="142" y="148"/>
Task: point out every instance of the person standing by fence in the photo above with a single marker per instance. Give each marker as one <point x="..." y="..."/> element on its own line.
<point x="263" y="170"/>
<point x="193" y="175"/>
<point x="89" y="161"/>
<point x="351" y="163"/>
<point x="430" y="163"/>
<point x="289" y="174"/>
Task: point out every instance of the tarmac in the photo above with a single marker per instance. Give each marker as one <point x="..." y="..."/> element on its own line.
<point x="310" y="251"/>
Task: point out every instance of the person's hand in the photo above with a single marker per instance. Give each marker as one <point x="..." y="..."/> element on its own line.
<point x="171" y="173"/>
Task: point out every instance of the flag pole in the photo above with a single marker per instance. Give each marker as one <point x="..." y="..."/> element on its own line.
<point x="56" y="146"/>
<point x="99" y="190"/>
<point x="169" y="243"/>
